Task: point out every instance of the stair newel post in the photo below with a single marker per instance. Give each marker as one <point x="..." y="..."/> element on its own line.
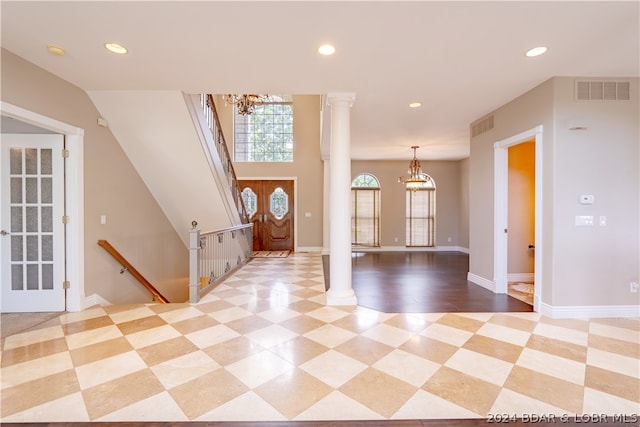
<point x="194" y="262"/>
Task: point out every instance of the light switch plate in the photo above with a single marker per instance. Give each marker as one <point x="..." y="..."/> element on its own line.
<point x="584" y="220"/>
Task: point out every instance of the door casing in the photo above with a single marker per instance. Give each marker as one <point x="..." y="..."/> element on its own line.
<point x="74" y="196"/>
<point x="501" y="205"/>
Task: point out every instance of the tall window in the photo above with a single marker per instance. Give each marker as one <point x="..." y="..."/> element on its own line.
<point x="266" y="135"/>
<point x="365" y="211"/>
<point x="421" y="215"/>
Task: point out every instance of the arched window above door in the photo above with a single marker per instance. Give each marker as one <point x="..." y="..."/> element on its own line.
<point x="365" y="180"/>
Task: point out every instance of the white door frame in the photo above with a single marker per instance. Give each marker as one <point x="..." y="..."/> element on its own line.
<point x="500" y="247"/>
<point x="74" y="196"/>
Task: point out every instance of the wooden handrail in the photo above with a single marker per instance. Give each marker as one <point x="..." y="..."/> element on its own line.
<point x="242" y="207"/>
<point x="223" y="230"/>
<point x="131" y="269"/>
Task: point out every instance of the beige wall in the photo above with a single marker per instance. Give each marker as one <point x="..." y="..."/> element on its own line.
<point x="136" y="225"/>
<point x="594" y="265"/>
<point x="582" y="266"/>
<point x="521" y="208"/>
<point x="463" y="222"/>
<point x="525" y="112"/>
<point x="446" y="175"/>
<point x="307" y="168"/>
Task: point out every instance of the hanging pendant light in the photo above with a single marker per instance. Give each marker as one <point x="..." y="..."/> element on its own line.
<point x="416" y="179"/>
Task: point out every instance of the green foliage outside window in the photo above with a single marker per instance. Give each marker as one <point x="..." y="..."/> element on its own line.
<point x="267" y="134"/>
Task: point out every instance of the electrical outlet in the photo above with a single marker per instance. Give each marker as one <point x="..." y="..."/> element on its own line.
<point x="633" y="287"/>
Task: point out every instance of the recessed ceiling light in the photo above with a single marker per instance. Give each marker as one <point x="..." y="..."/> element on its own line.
<point x="536" y="51"/>
<point x="55" y="50"/>
<point x="415" y="104"/>
<point x="326" y="49"/>
<point x="116" y="48"/>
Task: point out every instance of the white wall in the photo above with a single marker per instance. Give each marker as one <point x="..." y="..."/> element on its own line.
<point x="157" y="132"/>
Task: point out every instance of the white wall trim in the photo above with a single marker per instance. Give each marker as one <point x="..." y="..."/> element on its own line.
<point x="94" y="299"/>
<point x="313" y="249"/>
<point x="206" y="138"/>
<point x="589" y="311"/>
<point x="520" y="277"/>
<point x="500" y="223"/>
<point x="410" y="249"/>
<point x="74" y="193"/>
<point x="481" y="281"/>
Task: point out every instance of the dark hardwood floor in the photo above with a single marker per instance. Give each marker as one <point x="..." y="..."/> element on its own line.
<point x="421" y="282"/>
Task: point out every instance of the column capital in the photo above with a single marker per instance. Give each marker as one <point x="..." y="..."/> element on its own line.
<point x="334" y="98"/>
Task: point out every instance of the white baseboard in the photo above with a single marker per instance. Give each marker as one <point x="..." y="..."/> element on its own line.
<point x="410" y="249"/>
<point x="94" y="299"/>
<point x="481" y="281"/>
<point x="589" y="311"/>
<point x="309" y="249"/>
<point x="520" y="277"/>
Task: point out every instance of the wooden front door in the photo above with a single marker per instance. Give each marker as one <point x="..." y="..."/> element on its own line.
<point x="270" y="208"/>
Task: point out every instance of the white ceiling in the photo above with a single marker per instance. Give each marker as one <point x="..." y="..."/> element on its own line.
<point x="460" y="59"/>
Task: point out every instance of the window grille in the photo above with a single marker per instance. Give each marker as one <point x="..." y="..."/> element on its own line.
<point x="266" y="135"/>
<point x="365" y="211"/>
<point x="421" y="216"/>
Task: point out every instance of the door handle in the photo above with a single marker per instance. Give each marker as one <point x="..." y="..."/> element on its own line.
<point x="4" y="233"/>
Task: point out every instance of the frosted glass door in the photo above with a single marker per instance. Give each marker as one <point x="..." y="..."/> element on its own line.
<point x="31" y="232"/>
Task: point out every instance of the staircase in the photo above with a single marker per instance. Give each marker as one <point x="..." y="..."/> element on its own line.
<point x="168" y="138"/>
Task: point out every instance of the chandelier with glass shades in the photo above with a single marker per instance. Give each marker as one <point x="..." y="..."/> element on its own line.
<point x="245" y="103"/>
<point x="416" y="178"/>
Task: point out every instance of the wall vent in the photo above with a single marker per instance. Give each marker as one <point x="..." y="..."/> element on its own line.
<point x="587" y="90"/>
<point x="481" y="126"/>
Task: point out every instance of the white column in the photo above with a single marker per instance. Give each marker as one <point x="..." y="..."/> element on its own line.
<point x="325" y="206"/>
<point x="340" y="291"/>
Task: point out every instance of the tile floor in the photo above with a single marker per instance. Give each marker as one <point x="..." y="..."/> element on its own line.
<point x="263" y="346"/>
<point x="522" y="291"/>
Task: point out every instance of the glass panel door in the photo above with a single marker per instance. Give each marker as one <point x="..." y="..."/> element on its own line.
<point x="32" y="241"/>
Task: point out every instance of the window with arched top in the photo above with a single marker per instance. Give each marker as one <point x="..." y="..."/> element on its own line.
<point x="421" y="214"/>
<point x="365" y="210"/>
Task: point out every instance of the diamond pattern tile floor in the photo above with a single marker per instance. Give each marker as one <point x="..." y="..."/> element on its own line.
<point x="263" y="347"/>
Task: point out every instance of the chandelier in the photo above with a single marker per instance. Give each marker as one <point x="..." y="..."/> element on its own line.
<point x="246" y="103"/>
<point x="416" y="178"/>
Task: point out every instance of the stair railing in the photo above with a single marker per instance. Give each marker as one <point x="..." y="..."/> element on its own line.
<point x="211" y="116"/>
<point x="215" y="255"/>
<point x="126" y="266"/>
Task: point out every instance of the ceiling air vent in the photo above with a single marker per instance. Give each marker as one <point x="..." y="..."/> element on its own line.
<point x="601" y="91"/>
<point x="481" y="126"/>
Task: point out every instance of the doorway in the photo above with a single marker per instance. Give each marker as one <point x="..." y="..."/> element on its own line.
<point x="501" y="212"/>
<point x="270" y="206"/>
<point x="31" y="223"/>
<point x="73" y="195"/>
<point x="521" y="221"/>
